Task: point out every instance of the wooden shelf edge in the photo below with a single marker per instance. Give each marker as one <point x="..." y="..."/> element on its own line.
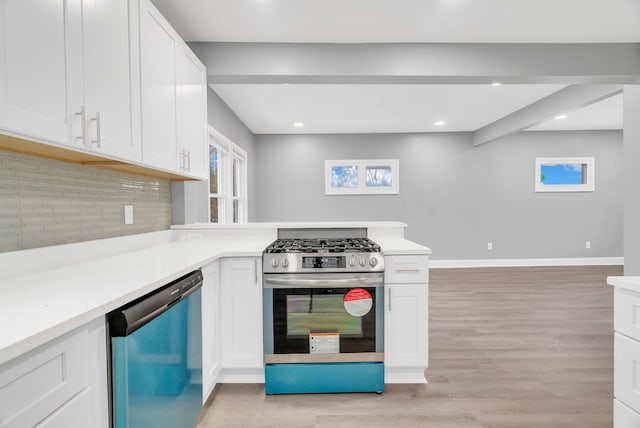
<point x="67" y="154"/>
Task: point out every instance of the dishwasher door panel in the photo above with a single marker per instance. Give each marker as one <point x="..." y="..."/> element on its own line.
<point x="156" y="370"/>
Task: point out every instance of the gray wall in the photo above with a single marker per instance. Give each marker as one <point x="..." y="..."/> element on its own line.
<point x="45" y="202"/>
<point x="454" y="197"/>
<point x="631" y="180"/>
<point x="190" y="198"/>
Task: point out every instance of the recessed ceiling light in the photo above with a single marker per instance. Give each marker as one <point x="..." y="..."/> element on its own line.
<point x="496" y="84"/>
<point x="298" y="124"/>
<point x="439" y="123"/>
<point x="561" y="116"/>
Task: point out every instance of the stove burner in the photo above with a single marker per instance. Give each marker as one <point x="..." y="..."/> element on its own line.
<point x="321" y="245"/>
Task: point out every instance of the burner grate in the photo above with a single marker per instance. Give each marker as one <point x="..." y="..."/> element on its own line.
<point x="321" y="245"/>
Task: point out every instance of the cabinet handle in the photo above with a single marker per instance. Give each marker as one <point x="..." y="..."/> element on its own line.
<point x="98" y="140"/>
<point x="182" y="162"/>
<point x="255" y="269"/>
<point x="189" y="161"/>
<point x="389" y="300"/>
<point x="82" y="124"/>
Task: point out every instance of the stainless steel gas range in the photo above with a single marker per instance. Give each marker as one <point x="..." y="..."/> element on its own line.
<point x="323" y="315"/>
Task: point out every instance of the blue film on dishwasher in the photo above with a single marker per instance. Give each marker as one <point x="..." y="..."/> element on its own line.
<point x="157" y="370"/>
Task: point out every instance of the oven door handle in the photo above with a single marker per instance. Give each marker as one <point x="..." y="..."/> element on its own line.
<point x="320" y="283"/>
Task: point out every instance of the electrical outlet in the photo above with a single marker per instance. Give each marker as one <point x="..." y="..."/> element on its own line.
<point x="489" y="246"/>
<point x="587" y="244"/>
<point x="128" y="214"/>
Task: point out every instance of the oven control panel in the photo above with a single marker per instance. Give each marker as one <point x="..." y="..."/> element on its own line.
<point x="317" y="262"/>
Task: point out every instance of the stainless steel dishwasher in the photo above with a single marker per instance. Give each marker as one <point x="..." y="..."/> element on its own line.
<point x="156" y="357"/>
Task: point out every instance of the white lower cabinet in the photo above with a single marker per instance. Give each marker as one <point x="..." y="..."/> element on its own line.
<point x="626" y="359"/>
<point x="624" y="417"/>
<point x="626" y="372"/>
<point x="211" y="332"/>
<point x="406" y="331"/>
<point x="406" y="324"/>
<point x="60" y="384"/>
<point x="241" y="287"/>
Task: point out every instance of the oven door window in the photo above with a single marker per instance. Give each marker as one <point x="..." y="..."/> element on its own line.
<point x="299" y="313"/>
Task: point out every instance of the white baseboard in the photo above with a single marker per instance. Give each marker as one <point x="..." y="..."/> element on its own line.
<point x="578" y="261"/>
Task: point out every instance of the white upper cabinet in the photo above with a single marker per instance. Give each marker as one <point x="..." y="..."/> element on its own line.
<point x="67" y="74"/>
<point x="191" y="114"/>
<point x="105" y="77"/>
<point x="174" y="103"/>
<point x="36" y="66"/>
<point x="158" y="84"/>
<point x="109" y="90"/>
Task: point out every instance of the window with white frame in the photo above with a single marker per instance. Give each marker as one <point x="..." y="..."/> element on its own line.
<point x="575" y="174"/>
<point x="348" y="177"/>
<point x="227" y="180"/>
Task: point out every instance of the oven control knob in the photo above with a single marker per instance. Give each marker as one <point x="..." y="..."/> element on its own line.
<point x="274" y="263"/>
<point x="373" y="262"/>
<point x="352" y="261"/>
<point x="362" y="261"/>
<point x="285" y="262"/>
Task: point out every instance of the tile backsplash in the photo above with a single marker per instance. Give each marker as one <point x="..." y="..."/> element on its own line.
<point x="45" y="202"/>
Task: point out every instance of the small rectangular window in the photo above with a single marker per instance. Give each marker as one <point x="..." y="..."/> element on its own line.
<point x="357" y="177"/>
<point x="565" y="174"/>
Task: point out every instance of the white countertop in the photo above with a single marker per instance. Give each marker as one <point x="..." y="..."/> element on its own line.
<point x="627" y="282"/>
<point x="295" y="225"/>
<point x="50" y="291"/>
<point x="397" y="246"/>
<point x="38" y="307"/>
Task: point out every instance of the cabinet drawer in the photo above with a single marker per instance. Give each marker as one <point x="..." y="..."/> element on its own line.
<point x="626" y="372"/>
<point x="34" y="385"/>
<point x="624" y="417"/>
<point x="627" y="313"/>
<point x="406" y="269"/>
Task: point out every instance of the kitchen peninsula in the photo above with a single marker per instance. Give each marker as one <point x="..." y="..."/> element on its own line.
<point x="55" y="300"/>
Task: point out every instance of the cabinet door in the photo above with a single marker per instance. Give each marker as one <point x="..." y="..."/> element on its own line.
<point x="38" y="65"/>
<point x="626" y="371"/>
<point x="158" y="89"/>
<point x="211" y="340"/>
<point x="241" y="313"/>
<point x="107" y="77"/>
<point x="191" y="113"/>
<point x="74" y="413"/>
<point x="406" y="325"/>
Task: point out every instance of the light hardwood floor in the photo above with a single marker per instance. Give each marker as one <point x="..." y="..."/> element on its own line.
<point x="509" y="347"/>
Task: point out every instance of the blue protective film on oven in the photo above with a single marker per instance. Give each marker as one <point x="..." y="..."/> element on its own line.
<point x="324" y="378"/>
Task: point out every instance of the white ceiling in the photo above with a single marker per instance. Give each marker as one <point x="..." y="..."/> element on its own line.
<point x="606" y="114"/>
<point x="375" y="108"/>
<point x="402" y="108"/>
<point x="361" y="21"/>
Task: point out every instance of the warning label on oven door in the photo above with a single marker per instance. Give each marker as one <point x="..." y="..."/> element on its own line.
<point x="358" y="302"/>
<point x="324" y="343"/>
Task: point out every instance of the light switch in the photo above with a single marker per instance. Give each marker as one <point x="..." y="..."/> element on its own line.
<point x="128" y="214"/>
